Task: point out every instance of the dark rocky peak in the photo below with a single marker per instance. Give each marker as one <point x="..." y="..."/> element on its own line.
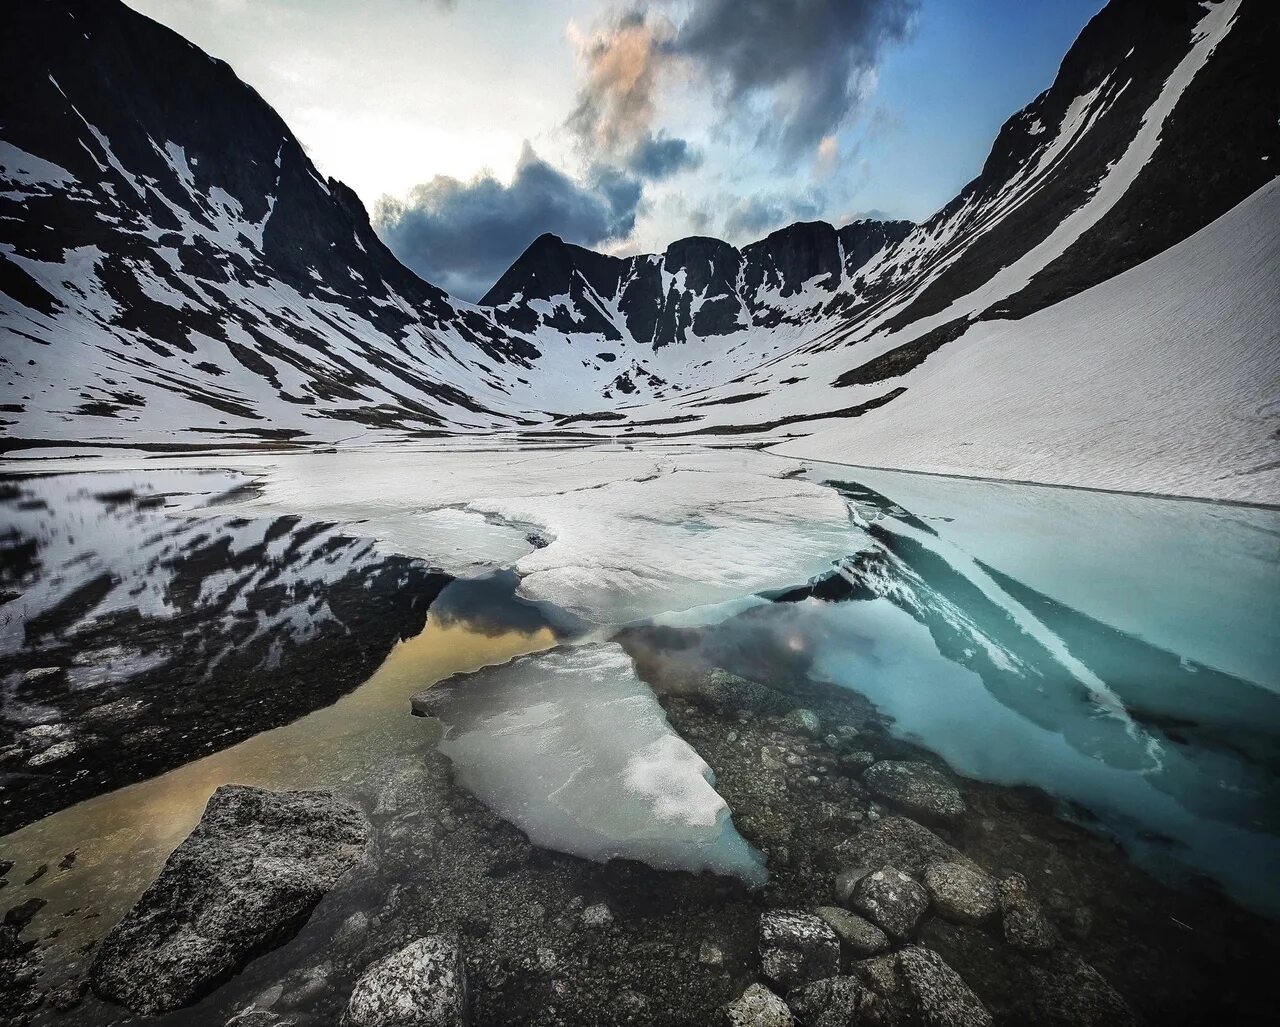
<point x="788" y="258"/>
<point x="862" y="240"/>
<point x="547" y="268"/>
<point x="708" y="263"/>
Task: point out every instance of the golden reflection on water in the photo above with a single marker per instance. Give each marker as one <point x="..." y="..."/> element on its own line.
<point x="122" y="838"/>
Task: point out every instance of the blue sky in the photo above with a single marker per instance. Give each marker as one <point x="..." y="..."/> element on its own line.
<point x="468" y="127"/>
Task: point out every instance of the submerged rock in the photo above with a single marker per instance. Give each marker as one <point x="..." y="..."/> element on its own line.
<point x="862" y="937"/>
<point x="797" y="947"/>
<point x="836" y="1002"/>
<point x="1025" y="925"/>
<point x="804" y="722"/>
<point x="919" y="788"/>
<point x="961" y="893"/>
<point x="1070" y="992"/>
<point x="243" y="881"/>
<point x="891" y="899"/>
<point x="758" y="1007"/>
<point x="422" y="985"/>
<point x="901" y="843"/>
<point x="726" y="693"/>
<point x="940" y="996"/>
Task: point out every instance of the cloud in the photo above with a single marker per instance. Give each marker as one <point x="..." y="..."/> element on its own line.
<point x="751" y="218"/>
<point x="792" y="71"/>
<point x="617" y="104"/>
<point x="828" y="154"/>
<point x="659" y="156"/>
<point x="814" y="61"/>
<point x="463" y="235"/>
<point x="622" y="60"/>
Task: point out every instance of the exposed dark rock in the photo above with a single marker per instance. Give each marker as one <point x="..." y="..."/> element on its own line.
<point x="860" y="936"/>
<point x="758" y="1007"/>
<point x="243" y="881"/>
<point x="961" y="893"/>
<point x="891" y="899"/>
<point x="20" y="915"/>
<point x="796" y="947"/>
<point x="918" y="788"/>
<point x="422" y="985"/>
<point x="1070" y="993"/>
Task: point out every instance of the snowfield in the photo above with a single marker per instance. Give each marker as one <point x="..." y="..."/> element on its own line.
<point x="1165" y="379"/>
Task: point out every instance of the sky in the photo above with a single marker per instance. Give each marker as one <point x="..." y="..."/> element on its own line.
<point x="470" y="127"/>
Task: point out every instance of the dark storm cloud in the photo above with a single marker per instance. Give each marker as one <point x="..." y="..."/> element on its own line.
<point x="811" y="62"/>
<point x="463" y="235"/>
<point x="815" y="59"/>
<point x="658" y="156"/>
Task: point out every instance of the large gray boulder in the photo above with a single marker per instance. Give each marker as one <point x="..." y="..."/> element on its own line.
<point x="836" y="1002"/>
<point x="422" y="985"/>
<point x="918" y="788"/>
<point x="890" y="898"/>
<point x="242" y="882"/>
<point x="797" y="947"/>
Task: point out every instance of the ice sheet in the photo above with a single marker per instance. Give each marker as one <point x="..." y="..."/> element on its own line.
<point x="574" y="749"/>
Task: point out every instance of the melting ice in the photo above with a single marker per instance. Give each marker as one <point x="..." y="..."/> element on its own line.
<point x="574" y="749"/>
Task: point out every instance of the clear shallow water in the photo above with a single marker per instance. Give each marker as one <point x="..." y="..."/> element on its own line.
<point x="1119" y="652"/>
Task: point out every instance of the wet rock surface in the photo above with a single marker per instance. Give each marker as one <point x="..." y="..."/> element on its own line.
<point x="244" y="880"/>
<point x="1025" y="925"/>
<point x="859" y="936"/>
<point x="796" y="948"/>
<point x="681" y="949"/>
<point x="962" y="893"/>
<point x="920" y="789"/>
<point x="891" y="899"/>
<point x="422" y="985"/>
<point x="938" y="994"/>
<point x="758" y="1007"/>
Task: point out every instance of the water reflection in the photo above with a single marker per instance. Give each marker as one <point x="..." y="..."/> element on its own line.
<point x="122" y="838"/>
<point x="1174" y="756"/>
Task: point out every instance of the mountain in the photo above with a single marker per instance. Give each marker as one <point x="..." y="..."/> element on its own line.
<point x="175" y="271"/>
<point x="697" y="288"/>
<point x="173" y="263"/>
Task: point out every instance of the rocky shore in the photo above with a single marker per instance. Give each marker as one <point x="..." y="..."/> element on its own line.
<point x="899" y="895"/>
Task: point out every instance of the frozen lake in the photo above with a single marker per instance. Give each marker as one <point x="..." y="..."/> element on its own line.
<point x="1120" y="653"/>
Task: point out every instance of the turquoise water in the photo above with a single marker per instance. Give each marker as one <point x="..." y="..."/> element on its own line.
<point x="1120" y="652"/>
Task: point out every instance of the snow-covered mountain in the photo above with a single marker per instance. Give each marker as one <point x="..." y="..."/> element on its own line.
<point x="174" y="270"/>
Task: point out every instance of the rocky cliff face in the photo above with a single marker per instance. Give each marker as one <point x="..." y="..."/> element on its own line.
<point x="698" y="288"/>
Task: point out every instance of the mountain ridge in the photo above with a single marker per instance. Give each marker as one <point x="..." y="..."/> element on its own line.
<point x="173" y="269"/>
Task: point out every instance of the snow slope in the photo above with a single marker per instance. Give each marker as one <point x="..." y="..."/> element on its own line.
<point x="168" y="277"/>
<point x="1164" y="379"/>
